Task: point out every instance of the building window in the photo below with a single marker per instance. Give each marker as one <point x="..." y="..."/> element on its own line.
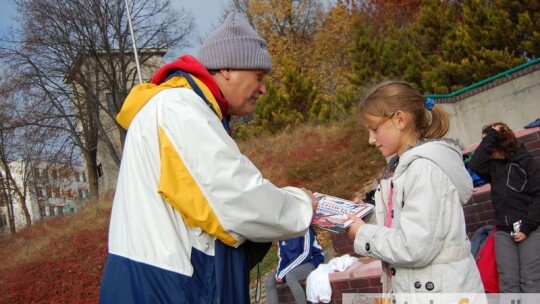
<point x="39" y="192"/>
<point x="60" y="210"/>
<point x="84" y="177"/>
<point x="3" y="221"/>
<point x="77" y="178"/>
<point x="112" y="106"/>
<point x="36" y="173"/>
<point x="42" y="211"/>
<point x="51" y="211"/>
<point x="63" y="173"/>
<point x="99" y="170"/>
<point x="3" y="201"/>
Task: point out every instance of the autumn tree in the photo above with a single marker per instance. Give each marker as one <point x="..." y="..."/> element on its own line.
<point x="72" y="52"/>
<point x="381" y="13"/>
<point x="290" y="28"/>
<point x="331" y="63"/>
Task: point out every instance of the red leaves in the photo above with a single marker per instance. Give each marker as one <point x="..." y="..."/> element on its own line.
<point x="68" y="270"/>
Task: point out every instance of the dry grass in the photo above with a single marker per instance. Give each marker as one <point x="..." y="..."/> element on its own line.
<point x="335" y="160"/>
<point x="56" y="260"/>
<point x="60" y="260"/>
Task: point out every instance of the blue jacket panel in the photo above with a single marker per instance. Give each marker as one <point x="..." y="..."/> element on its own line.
<point x="223" y="278"/>
<point x="298" y="251"/>
<point x="128" y="281"/>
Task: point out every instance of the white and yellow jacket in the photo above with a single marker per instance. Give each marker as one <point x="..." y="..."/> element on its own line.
<point x="183" y="182"/>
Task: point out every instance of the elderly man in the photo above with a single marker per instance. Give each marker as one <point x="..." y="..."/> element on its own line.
<point x="188" y="202"/>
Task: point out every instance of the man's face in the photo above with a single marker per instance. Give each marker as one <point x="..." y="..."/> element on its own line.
<point x="242" y="88"/>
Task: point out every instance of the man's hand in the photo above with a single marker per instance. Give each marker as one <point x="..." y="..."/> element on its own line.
<point x="314" y="201"/>
<point x="357" y="223"/>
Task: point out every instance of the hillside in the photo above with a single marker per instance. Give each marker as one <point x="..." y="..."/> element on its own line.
<point x="60" y="260"/>
<point x="57" y="260"/>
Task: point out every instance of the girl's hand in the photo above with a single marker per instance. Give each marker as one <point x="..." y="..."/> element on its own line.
<point x="357" y="223"/>
<point x="520" y="237"/>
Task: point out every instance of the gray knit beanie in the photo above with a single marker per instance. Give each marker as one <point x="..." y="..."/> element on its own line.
<point x="235" y="45"/>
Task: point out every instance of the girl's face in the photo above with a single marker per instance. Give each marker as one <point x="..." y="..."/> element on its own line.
<point x="388" y="135"/>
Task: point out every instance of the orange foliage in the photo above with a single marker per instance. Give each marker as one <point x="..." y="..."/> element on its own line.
<point x="399" y="12"/>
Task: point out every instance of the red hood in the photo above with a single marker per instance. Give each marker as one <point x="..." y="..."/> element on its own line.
<point x="191" y="65"/>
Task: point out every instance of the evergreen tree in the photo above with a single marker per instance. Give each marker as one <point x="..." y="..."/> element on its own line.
<point x="288" y="104"/>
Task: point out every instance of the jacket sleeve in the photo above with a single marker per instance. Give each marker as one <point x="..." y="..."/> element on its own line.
<point x="297" y="251"/>
<point x="420" y="235"/>
<point x="317" y="255"/>
<point x="206" y="178"/>
<point x="532" y="220"/>
<point x="481" y="158"/>
<point x="283" y="260"/>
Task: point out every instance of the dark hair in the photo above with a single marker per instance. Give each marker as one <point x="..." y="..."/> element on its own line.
<point x="386" y="98"/>
<point x="507" y="143"/>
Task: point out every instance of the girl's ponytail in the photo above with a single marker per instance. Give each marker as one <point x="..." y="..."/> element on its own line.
<point x="440" y="123"/>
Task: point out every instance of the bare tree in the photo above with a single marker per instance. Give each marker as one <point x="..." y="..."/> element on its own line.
<point x="22" y="147"/>
<point x="77" y="56"/>
<point x="12" y="185"/>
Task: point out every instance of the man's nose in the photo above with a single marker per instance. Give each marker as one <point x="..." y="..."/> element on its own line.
<point x="262" y="89"/>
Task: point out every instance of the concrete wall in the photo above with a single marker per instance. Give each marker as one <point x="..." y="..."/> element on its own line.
<point x="514" y="100"/>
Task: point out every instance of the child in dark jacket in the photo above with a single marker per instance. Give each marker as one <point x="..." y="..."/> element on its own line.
<point x="298" y="257"/>
<point x="514" y="176"/>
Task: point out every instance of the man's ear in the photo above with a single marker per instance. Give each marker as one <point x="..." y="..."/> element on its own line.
<point x="226" y="73"/>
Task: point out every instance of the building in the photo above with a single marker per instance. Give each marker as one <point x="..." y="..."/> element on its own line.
<point x="46" y="190"/>
<point x="108" y="76"/>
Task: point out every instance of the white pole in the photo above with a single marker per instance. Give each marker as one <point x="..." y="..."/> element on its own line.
<point x="134" y="45"/>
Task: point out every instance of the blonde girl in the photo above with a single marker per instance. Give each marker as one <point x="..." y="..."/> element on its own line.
<point x="420" y="232"/>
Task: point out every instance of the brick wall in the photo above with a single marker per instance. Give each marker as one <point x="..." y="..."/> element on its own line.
<point x="363" y="277"/>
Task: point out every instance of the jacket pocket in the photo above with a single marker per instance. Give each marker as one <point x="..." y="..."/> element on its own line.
<point x="516" y="178"/>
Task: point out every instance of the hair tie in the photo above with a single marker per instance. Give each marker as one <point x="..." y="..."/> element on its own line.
<point x="430" y="102"/>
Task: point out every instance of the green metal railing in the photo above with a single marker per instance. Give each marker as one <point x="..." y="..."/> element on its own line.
<point x="487" y="80"/>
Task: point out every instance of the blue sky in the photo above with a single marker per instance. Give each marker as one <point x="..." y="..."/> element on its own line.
<point x="6" y="12"/>
<point x="206" y="13"/>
